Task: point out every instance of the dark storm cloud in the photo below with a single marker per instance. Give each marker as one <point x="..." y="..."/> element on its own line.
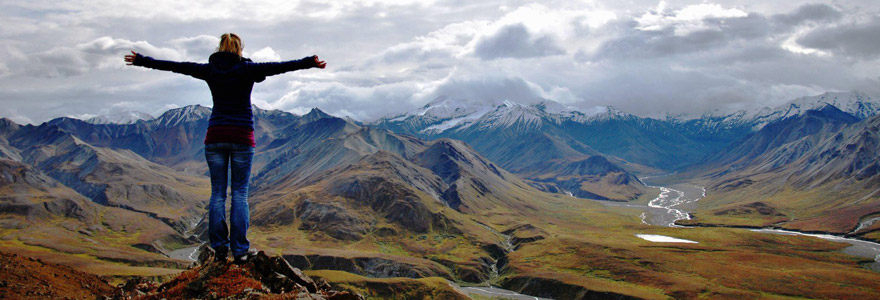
<point x="730" y="62"/>
<point x="516" y="41"/>
<point x="852" y="40"/>
<point x="809" y="12"/>
<point x="718" y="33"/>
<point x="658" y="44"/>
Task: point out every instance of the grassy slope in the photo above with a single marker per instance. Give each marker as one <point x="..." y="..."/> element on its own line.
<point x="584" y="244"/>
<point x="415" y="248"/>
<point x="588" y="244"/>
<point x="798" y="209"/>
<point x="105" y="252"/>
<point x="99" y="241"/>
<point x="816" y="174"/>
<point x="390" y="288"/>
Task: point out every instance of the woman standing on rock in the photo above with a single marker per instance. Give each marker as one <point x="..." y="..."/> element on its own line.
<point x="230" y="136"/>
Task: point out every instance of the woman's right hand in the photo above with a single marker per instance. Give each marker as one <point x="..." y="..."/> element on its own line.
<point x="129" y="58"/>
<point x="320" y="63"/>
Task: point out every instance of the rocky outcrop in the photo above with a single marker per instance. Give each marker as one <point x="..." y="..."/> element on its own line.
<point x="263" y="277"/>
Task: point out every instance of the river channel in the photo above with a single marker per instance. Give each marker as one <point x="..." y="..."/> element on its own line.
<point x="676" y="201"/>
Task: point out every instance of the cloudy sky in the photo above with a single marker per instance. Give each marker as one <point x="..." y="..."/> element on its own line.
<point x="64" y="58"/>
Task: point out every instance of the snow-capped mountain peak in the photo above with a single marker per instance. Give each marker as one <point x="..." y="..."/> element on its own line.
<point x="856" y="103"/>
<point x="463" y="121"/>
<point x="124" y="117"/>
<point x="442" y="108"/>
<point x="445" y="113"/>
<point x="184" y="114"/>
<point x="512" y="114"/>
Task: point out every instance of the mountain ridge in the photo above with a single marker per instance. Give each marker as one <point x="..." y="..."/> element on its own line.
<point x="824" y="158"/>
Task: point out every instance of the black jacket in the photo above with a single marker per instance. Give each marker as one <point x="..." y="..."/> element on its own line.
<point x="231" y="79"/>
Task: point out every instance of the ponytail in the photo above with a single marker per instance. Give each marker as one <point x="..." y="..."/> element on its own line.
<point x="230" y="42"/>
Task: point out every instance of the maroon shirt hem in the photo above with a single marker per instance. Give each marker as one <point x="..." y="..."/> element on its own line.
<point x="230" y="134"/>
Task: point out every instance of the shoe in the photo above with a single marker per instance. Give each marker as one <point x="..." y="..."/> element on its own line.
<point x="244" y="258"/>
<point x="220" y="254"/>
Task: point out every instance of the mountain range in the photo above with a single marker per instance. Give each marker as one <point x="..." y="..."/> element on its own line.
<point x="324" y="175"/>
<point x="537" y="141"/>
<point x="460" y="192"/>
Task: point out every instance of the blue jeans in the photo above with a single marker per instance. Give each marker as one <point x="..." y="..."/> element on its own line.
<point x="218" y="156"/>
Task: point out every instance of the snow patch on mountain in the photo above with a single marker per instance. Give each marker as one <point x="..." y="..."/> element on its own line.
<point x="445" y="108"/>
<point x="462" y="121"/>
<point x="124" y="117"/>
<point x="188" y="113"/>
<point x="445" y="113"/>
<point x="856" y="103"/>
<point x="510" y="114"/>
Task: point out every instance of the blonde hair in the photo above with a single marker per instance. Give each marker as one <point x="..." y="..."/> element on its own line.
<point x="230" y="42"/>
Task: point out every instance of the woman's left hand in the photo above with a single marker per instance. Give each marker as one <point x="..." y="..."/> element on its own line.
<point x="320" y="63"/>
<point x="129" y="59"/>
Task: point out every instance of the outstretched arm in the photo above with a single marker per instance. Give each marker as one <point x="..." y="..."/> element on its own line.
<point x="187" y="68"/>
<point x="274" y="68"/>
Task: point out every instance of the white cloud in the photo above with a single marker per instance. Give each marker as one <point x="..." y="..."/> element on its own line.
<point x="686" y="20"/>
<point x="384" y="57"/>
<point x="362" y="103"/>
<point x="447" y="43"/>
<point x="265" y="54"/>
<point x="100" y="53"/>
